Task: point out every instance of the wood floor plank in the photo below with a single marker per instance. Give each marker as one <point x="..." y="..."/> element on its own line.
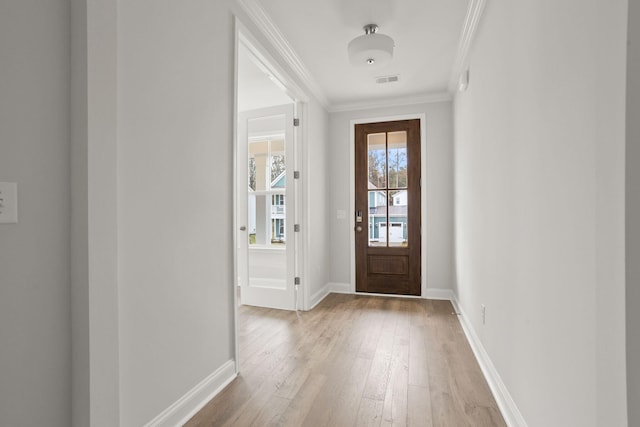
<point x="343" y="367"/>
<point x="369" y="413"/>
<point x="348" y="400"/>
<point x="299" y="408"/>
<point x="420" y="414"/>
<point x="418" y="362"/>
<point x="271" y="413"/>
<point x="355" y="360"/>
<point x="378" y="378"/>
<point x="396" y="397"/>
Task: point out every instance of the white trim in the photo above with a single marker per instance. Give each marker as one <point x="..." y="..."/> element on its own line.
<point x="471" y="21"/>
<point x="188" y="405"/>
<point x="317" y="297"/>
<point x="428" y="98"/>
<point x="259" y="137"/>
<point x="270" y="31"/>
<point x="266" y="283"/>
<point x="304" y="194"/>
<point x="423" y="195"/>
<point x="439" y="294"/>
<point x="341" y="288"/>
<point x="236" y="226"/>
<point x="266" y="62"/>
<point x="508" y="407"/>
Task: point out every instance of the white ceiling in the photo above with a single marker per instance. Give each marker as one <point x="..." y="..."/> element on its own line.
<point x="426" y="34"/>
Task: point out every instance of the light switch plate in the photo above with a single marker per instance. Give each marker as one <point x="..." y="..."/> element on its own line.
<point x="8" y="202"/>
<point x="340" y="214"/>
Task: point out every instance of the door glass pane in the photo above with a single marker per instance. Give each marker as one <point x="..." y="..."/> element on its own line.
<point x="252" y="173"/>
<point x="277" y="164"/>
<point x="377" y="218"/>
<point x="267" y="254"/>
<point x="397" y="154"/>
<point x="267" y="186"/>
<point x="398" y="209"/>
<point x="377" y="159"/>
<point x="258" y="227"/>
<point x="278" y="217"/>
<point x="258" y="158"/>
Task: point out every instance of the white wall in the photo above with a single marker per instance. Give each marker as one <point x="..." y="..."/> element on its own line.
<point x="539" y="166"/>
<point x="35" y="329"/>
<point x="175" y="151"/>
<point x="633" y="215"/>
<point x="175" y="207"/>
<point x="316" y="173"/>
<point x="145" y="337"/>
<point x="439" y="191"/>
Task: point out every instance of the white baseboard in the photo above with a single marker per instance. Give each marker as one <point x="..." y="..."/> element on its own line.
<point x="186" y="407"/>
<point x="317" y="297"/>
<point x="508" y="408"/>
<point x="340" y="288"/>
<point x="441" y="294"/>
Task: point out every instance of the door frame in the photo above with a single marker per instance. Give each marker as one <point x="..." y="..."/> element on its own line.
<point x="423" y="194"/>
<point x="282" y="78"/>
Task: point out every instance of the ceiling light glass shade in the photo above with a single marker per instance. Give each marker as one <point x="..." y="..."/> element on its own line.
<point x="371" y="49"/>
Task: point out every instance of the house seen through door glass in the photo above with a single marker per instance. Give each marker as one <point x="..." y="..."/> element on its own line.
<point x="388" y="201"/>
<point x="267" y="192"/>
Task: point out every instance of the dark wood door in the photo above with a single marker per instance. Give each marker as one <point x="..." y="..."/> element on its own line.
<point x="387" y="195"/>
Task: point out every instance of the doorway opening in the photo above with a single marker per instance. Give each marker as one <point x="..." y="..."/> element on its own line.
<point x="269" y="255"/>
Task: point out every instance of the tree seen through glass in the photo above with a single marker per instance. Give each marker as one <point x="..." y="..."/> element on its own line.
<point x="397" y="167"/>
<point x="277" y="166"/>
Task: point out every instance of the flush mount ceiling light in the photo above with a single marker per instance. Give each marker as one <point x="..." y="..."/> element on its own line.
<point x="371" y="49"/>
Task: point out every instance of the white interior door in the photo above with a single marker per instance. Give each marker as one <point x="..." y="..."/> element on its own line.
<point x="265" y="207"/>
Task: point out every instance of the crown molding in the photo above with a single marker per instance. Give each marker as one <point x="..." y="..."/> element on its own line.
<point x="471" y="21"/>
<point x="427" y="98"/>
<point x="270" y="31"/>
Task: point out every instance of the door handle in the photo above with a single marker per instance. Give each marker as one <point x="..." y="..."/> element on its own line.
<point x="358" y="229"/>
<point x="243" y="228"/>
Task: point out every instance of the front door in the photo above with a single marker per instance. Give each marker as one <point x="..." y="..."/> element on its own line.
<point x="387" y="202"/>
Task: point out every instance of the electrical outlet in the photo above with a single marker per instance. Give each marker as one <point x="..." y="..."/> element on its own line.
<point x="484" y="313"/>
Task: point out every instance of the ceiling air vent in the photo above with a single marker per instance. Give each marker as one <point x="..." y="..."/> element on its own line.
<point x="387" y="79"/>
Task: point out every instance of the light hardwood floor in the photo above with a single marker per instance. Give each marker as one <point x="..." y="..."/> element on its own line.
<point x="354" y="360"/>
